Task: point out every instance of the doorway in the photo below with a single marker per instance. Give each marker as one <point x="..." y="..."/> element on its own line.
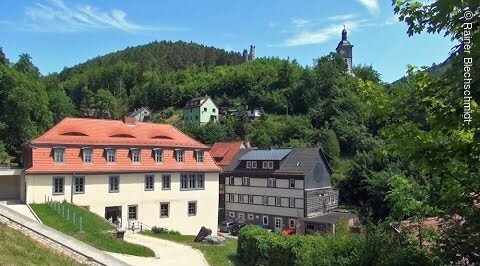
<point x="278" y="224"/>
<point x="113" y="213"/>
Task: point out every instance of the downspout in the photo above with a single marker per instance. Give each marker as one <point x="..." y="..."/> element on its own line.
<point x="71" y="188"/>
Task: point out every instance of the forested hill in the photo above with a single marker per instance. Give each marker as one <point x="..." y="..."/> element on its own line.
<point x="161" y="56"/>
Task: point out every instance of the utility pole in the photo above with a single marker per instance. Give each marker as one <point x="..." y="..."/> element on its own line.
<point x="286" y="106"/>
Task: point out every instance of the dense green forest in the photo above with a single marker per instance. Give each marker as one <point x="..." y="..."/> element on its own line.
<point x="399" y="151"/>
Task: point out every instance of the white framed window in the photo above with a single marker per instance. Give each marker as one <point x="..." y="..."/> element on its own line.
<point x="227" y="197"/>
<point x="192" y="208"/>
<point x="250" y="199"/>
<point x="292" y="183"/>
<point x="113" y="184"/>
<point x="59" y="154"/>
<point x="165" y="182"/>
<point x="58" y="185"/>
<point x="164" y="209"/>
<point x="132" y="212"/>
<point x="254" y="164"/>
<point x="265" y="200"/>
<point x="192" y="181"/>
<point x="278" y="222"/>
<point x="136" y="155"/>
<point x="149" y="182"/>
<point x="87" y="154"/>
<point x="79" y="187"/>
<point x="158" y="155"/>
<point x="245" y="181"/>
<point x="278" y="201"/>
<point x="265" y="220"/>
<point x="199" y="156"/>
<point x="231" y="181"/>
<point x="270" y="165"/>
<point x="249" y="164"/>
<point x="332" y="199"/>
<point x="264" y="164"/>
<point x="110" y="155"/>
<point x="310" y="227"/>
<point x="291" y="203"/>
<point x="180" y="155"/>
<point x="291" y="223"/>
<point x="271" y="182"/>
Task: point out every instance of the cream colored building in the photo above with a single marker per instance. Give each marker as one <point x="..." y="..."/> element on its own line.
<point x="143" y="173"/>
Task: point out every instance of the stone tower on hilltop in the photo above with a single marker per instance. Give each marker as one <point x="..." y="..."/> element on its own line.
<point x="344" y="48"/>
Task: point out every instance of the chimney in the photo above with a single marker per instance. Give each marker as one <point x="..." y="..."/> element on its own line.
<point x="129" y="120"/>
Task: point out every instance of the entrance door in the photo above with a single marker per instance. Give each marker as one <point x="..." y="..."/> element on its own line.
<point x="241" y="217"/>
<point x="113" y="213"/>
<point x="278" y="224"/>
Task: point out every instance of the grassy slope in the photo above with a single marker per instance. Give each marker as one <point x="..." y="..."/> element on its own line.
<point x="18" y="249"/>
<point x="95" y="230"/>
<point x="216" y="255"/>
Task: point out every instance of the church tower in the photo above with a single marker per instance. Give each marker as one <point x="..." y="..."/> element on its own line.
<point x="344" y="48"/>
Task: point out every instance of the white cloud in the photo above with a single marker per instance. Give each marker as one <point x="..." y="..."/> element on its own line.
<point x="321" y="35"/>
<point x="342" y="17"/>
<point x="300" y="23"/>
<point x="371" y="5"/>
<point x="57" y="16"/>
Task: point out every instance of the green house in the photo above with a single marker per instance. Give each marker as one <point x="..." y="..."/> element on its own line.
<point x="200" y="111"/>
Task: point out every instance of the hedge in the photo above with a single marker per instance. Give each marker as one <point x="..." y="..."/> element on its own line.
<point x="257" y="246"/>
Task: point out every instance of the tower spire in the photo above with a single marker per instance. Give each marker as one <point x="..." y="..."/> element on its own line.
<point x="344" y="33"/>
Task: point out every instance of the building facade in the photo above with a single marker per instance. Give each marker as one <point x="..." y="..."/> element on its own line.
<point x="144" y="173"/>
<point x="200" y="111"/>
<point x="278" y="187"/>
<point x="140" y="114"/>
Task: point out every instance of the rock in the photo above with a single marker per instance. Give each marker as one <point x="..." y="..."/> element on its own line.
<point x="202" y="234"/>
<point x="216" y="240"/>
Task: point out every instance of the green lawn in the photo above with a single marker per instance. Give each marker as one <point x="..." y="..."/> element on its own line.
<point x="216" y="255"/>
<point x="95" y="230"/>
<point x="19" y="249"/>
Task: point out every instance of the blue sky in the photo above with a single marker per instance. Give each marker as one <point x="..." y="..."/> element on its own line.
<point x="62" y="33"/>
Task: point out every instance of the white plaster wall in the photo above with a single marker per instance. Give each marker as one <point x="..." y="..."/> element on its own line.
<point x="132" y="192"/>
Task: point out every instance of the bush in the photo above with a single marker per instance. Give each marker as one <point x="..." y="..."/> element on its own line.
<point x="162" y="230"/>
<point x="257" y="246"/>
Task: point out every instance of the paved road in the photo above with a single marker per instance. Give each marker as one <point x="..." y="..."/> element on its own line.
<point x="166" y="252"/>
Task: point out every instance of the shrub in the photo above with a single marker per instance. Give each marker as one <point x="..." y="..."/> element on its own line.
<point x="257" y="246"/>
<point x="162" y="230"/>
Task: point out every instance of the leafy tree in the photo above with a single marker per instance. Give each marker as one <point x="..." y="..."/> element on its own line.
<point x="105" y="104"/>
<point x="25" y="65"/>
<point x="3" y="58"/>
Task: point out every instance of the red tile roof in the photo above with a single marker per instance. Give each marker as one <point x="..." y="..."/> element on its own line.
<point x="224" y="152"/>
<point x="115" y="132"/>
<point x="75" y="133"/>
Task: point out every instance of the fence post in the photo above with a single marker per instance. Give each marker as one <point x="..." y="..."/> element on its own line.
<point x="74" y="218"/>
<point x="81" y="223"/>
<point x="68" y="214"/>
<point x="63" y="211"/>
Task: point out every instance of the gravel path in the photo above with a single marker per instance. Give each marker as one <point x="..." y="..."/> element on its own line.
<point x="166" y="252"/>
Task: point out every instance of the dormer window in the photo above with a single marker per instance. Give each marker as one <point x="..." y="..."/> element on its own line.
<point x="87" y="154"/>
<point x="110" y="155"/>
<point x="158" y="155"/>
<point x="135" y="154"/>
<point x="249" y="164"/>
<point x="254" y="164"/>
<point x="180" y="155"/>
<point x="267" y="165"/>
<point x="199" y="156"/>
<point x="59" y="154"/>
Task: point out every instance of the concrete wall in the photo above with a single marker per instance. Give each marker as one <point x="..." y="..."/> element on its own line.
<point x="132" y="192"/>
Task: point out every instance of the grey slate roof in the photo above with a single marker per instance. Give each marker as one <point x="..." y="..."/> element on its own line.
<point x="138" y="111"/>
<point x="297" y="161"/>
<point x="266" y="155"/>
